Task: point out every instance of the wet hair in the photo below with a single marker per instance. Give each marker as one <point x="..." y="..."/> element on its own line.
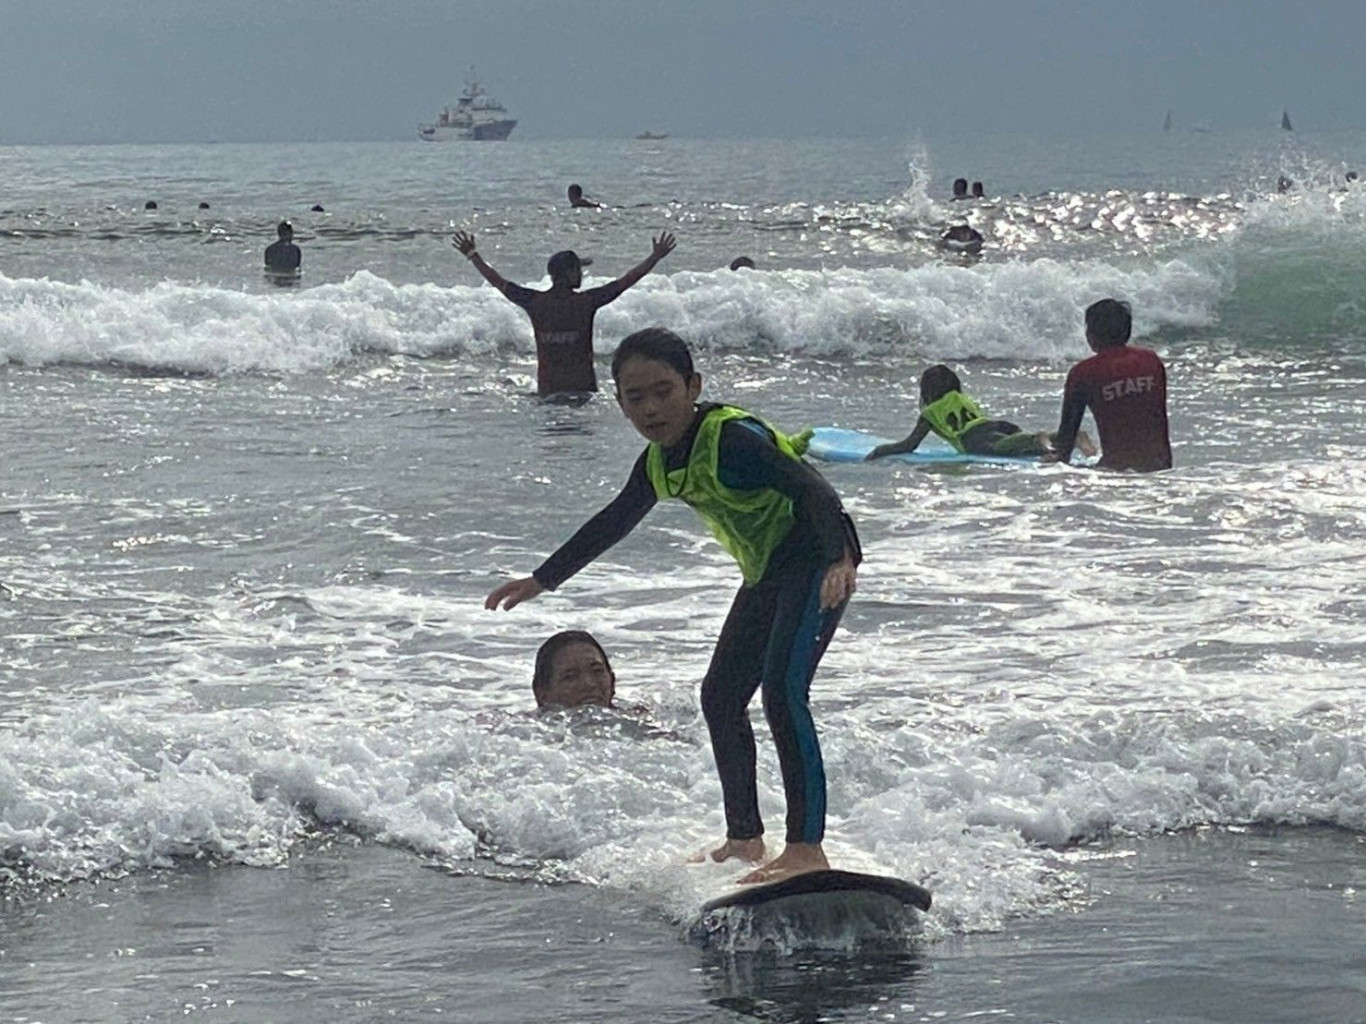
<point x="978" y="190"/>
<point x="545" y="657"/>
<point x="151" y="204"/>
<point x="283" y="227"/>
<point x="741" y="261"/>
<point x="936" y="382"/>
<point x="960" y="186"/>
<point x="1109" y="321"/>
<point x="657" y="343"/>
<point x="576" y="190"/>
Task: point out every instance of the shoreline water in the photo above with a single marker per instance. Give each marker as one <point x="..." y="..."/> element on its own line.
<point x="1193" y="927"/>
<point x="247" y="534"/>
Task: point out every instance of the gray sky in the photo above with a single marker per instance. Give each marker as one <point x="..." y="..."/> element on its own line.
<point x="248" y="70"/>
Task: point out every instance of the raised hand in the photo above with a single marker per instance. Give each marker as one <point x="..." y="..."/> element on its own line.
<point x="664" y="245"/>
<point x="464" y="241"/>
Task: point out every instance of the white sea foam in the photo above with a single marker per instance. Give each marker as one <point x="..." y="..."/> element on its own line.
<point x="1013" y="311"/>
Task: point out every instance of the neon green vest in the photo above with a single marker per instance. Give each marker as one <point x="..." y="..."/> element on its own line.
<point x="952" y="415"/>
<point x="749" y="524"/>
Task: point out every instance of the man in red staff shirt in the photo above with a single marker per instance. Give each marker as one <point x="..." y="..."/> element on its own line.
<point x="1126" y="390"/>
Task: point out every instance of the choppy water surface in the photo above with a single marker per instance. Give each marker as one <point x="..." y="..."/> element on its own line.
<point x="245" y="534"/>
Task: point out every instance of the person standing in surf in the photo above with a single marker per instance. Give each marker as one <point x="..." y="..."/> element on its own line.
<point x="562" y="317"/>
<point x="282" y="256"/>
<point x="1126" y="390"/>
<point x="797" y="550"/>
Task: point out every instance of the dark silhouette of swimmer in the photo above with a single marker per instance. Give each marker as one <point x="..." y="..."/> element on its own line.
<point x="1351" y="176"/>
<point x="151" y="204"/>
<point x="960" y="188"/>
<point x="741" y="261"/>
<point x="283" y="256"/>
<point x="1284" y="184"/>
<point x="962" y="238"/>
<point x="317" y="208"/>
<point x="562" y="316"/>
<point x="203" y="206"/>
<point x="977" y="191"/>
<point x="577" y="198"/>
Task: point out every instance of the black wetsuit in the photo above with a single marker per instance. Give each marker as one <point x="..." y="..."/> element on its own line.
<point x="775" y="633"/>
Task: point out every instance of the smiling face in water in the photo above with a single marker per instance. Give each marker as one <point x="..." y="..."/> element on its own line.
<point x="579" y="676"/>
<point x="657" y="399"/>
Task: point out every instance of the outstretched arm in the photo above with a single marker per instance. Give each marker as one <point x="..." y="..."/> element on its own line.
<point x="464" y="241"/>
<point x="610" y="525"/>
<point x="909" y="443"/>
<point x="663" y="245"/>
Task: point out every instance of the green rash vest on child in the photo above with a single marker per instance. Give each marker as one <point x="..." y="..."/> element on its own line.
<point x="951" y="416"/>
<point x="750" y="524"/>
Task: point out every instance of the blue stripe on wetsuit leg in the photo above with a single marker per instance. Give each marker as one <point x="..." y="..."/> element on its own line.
<point x="800" y="671"/>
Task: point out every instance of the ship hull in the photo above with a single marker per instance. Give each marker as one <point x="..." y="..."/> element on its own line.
<point x="493" y="131"/>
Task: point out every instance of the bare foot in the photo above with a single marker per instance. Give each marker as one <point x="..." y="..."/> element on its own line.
<point x="1087" y="446"/>
<point x="751" y="850"/>
<point x="797" y="859"/>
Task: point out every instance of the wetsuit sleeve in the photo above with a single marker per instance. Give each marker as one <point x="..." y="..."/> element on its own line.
<point x="519" y="294"/>
<point x="750" y="460"/>
<point x="1074" y="398"/>
<point x="610" y="525"/>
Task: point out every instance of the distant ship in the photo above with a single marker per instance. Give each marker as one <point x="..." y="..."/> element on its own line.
<point x="475" y="116"/>
<point x="651" y="136"/>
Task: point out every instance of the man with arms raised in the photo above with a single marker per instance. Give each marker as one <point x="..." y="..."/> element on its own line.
<point x="1126" y="390"/>
<point x="562" y="317"/>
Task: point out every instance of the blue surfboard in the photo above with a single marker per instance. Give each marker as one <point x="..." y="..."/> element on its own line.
<point x="838" y="444"/>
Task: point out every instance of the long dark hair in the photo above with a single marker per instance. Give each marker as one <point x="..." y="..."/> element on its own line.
<point x="545" y="657"/>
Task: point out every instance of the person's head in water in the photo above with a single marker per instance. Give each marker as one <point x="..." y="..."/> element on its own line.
<point x="960" y="188"/>
<point x="151" y="204"/>
<point x="566" y="268"/>
<point x="978" y="192"/>
<point x="572" y="671"/>
<point x="1284" y="184"/>
<point x="741" y="261"/>
<point x="1108" y="324"/>
<point x="962" y="238"/>
<point x="657" y="387"/>
<point x="1351" y="176"/>
<point x="285" y="231"/>
<point x="936" y="382"/>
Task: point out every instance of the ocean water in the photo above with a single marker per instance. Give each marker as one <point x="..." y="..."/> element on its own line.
<point x="264" y="756"/>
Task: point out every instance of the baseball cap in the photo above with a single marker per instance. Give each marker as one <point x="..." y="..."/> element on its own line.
<point x="563" y="262"/>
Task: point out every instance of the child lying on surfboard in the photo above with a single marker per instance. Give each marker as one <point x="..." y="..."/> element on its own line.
<point x="960" y="421"/>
